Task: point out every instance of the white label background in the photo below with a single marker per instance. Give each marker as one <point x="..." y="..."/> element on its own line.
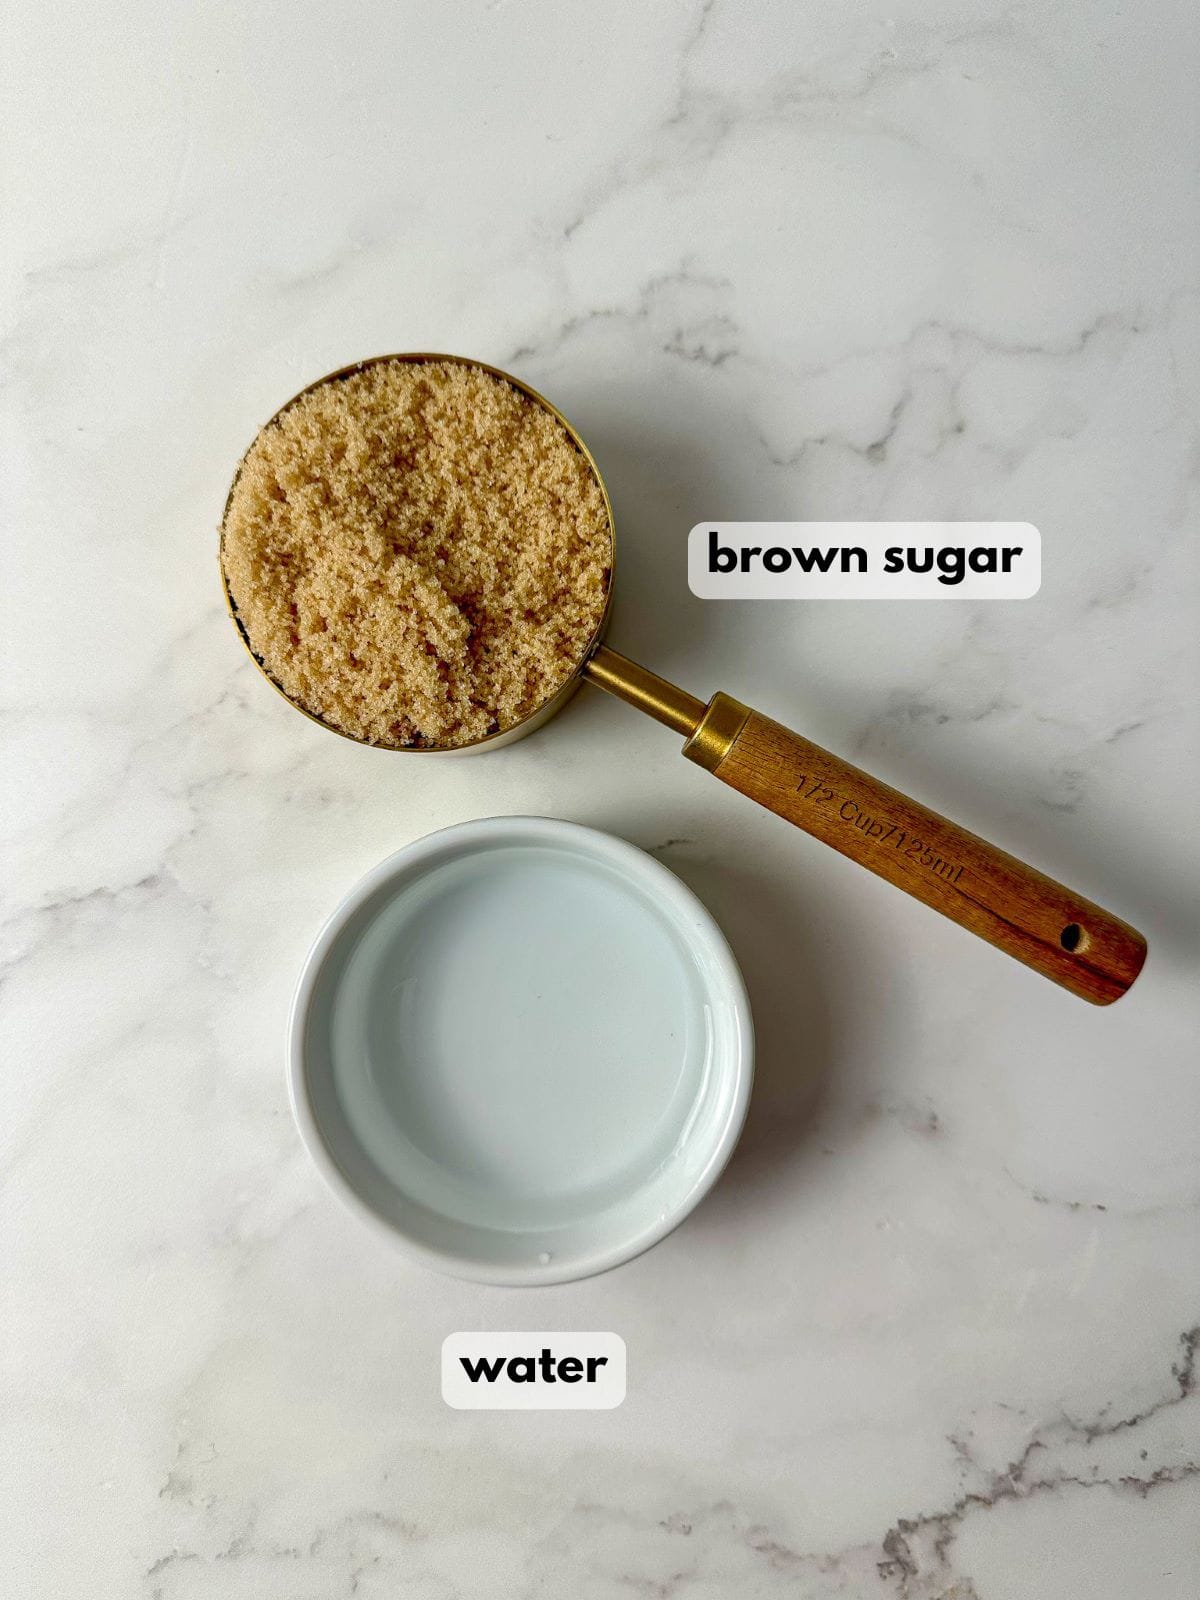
<point x="503" y="1394"/>
<point x="1022" y="582"/>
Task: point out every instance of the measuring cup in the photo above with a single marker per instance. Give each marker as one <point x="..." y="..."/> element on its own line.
<point x="1059" y="933"/>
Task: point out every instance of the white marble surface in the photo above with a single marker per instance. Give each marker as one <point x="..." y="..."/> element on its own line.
<point x="922" y="258"/>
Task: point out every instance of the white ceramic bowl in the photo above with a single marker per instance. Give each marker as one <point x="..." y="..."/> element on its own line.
<point x="522" y="1049"/>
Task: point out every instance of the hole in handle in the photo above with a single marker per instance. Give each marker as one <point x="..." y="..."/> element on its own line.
<point x="1072" y="937"/>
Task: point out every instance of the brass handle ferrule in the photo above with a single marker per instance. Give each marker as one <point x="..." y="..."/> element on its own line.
<point x="709" y="730"/>
<point x="716" y="731"/>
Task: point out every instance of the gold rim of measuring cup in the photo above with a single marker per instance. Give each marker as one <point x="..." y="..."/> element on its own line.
<point x="559" y="696"/>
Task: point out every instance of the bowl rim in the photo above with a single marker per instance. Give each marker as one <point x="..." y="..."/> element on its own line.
<point x="462" y="839"/>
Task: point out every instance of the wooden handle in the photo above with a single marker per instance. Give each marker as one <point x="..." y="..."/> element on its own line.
<point x="1050" y="928"/>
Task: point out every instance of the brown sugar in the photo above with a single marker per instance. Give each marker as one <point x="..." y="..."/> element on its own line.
<point x="418" y="553"/>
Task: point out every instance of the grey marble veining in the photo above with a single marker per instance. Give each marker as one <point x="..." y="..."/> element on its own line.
<point x="934" y="1336"/>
